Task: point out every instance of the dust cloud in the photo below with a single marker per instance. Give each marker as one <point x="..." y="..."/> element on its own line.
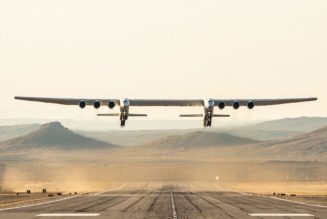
<point x="90" y="175"/>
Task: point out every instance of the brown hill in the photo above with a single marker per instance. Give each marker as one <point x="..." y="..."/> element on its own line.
<point x="309" y="146"/>
<point x="53" y="135"/>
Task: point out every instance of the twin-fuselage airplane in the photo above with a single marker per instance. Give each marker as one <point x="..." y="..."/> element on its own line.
<point x="207" y="104"/>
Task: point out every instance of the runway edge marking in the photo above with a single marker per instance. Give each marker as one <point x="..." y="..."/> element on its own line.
<point x="68" y="215"/>
<point x="41" y="203"/>
<point x="297" y="202"/>
<point x="173" y="206"/>
<point x="286" y="200"/>
<point x="280" y="215"/>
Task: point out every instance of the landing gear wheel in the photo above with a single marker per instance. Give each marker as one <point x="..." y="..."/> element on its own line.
<point x="205" y="123"/>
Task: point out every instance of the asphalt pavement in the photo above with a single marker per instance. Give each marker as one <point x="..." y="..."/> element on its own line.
<point x="166" y="200"/>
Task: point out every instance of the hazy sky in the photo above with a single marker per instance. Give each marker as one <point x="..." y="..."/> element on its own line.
<point x="162" y="49"/>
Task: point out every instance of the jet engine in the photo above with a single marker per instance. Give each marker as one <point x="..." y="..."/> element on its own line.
<point x="236" y="105"/>
<point x="221" y="105"/>
<point x="82" y="104"/>
<point x="250" y="105"/>
<point x="111" y="104"/>
<point x="97" y="104"/>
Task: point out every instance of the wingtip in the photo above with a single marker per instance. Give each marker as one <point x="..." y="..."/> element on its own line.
<point x="20" y="98"/>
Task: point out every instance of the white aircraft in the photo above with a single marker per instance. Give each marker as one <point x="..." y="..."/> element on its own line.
<point x="207" y="104"/>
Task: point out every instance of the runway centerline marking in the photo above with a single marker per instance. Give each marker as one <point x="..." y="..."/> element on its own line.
<point x="173" y="206"/>
<point x="69" y="215"/>
<point x="280" y="215"/>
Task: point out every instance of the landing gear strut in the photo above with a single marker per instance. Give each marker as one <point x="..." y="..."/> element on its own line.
<point x="123" y="118"/>
<point x="207" y="121"/>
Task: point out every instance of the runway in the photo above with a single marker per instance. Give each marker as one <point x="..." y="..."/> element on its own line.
<point x="171" y="200"/>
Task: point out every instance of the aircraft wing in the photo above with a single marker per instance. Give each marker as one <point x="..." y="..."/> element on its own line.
<point x="132" y="102"/>
<point x="67" y="101"/>
<point x="166" y="102"/>
<point x="263" y="102"/>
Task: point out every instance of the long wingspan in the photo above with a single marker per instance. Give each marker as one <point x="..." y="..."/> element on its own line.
<point x="207" y="104"/>
<point x="166" y="102"/>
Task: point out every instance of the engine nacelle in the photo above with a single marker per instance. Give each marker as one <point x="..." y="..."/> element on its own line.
<point x="97" y="104"/>
<point x="221" y="105"/>
<point x="250" y="105"/>
<point x="111" y="104"/>
<point x="82" y="104"/>
<point x="236" y="105"/>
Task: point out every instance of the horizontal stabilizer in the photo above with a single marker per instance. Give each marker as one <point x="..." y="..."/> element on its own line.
<point x="191" y="115"/>
<point x="117" y="114"/>
<point x="220" y="115"/>
<point x="201" y="115"/>
<point x="141" y="115"/>
<point x="109" y="114"/>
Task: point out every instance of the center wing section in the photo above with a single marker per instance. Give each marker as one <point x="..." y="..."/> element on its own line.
<point x="165" y="102"/>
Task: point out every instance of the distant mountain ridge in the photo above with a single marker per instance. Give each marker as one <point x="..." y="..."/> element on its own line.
<point x="13" y="131"/>
<point x="264" y="131"/>
<point x="199" y="139"/>
<point x="53" y="135"/>
<point x="281" y="128"/>
<point x="299" y="124"/>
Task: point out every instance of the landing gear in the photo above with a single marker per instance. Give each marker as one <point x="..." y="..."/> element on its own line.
<point x="124" y="111"/>
<point x="123" y="118"/>
<point x="122" y="123"/>
<point x="207" y="121"/>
